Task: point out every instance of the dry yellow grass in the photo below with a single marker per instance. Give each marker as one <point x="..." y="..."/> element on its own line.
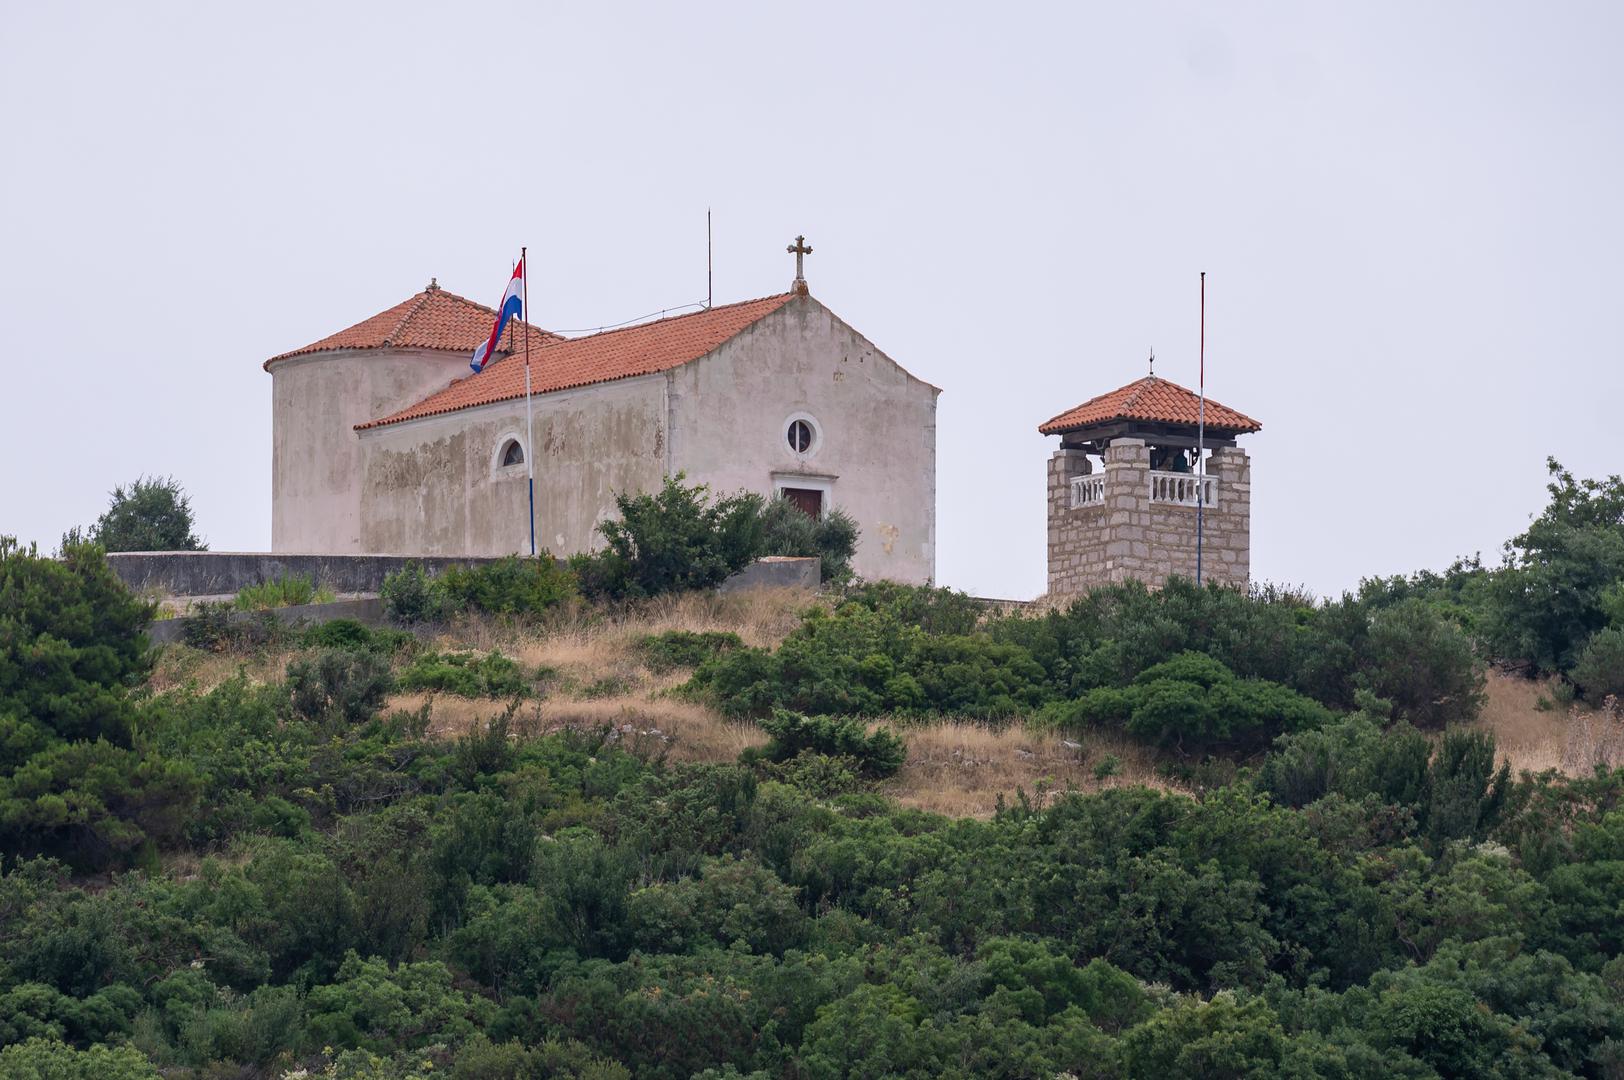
<point x="651" y="726"/>
<point x="1526" y="737"/>
<point x="961" y="769"/>
<point x="179" y="665"/>
<point x="1572" y="741"/>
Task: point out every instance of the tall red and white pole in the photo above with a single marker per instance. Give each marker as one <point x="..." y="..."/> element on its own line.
<point x="1201" y="437"/>
<point x="529" y="415"/>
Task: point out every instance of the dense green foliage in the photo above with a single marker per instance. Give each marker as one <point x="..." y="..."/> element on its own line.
<point x="551" y="903"/>
<point x="1196" y="702"/>
<point x="152" y="514"/>
<point x="271" y="877"/>
<point x="874" y="754"/>
<point x="675" y="539"/>
<point x="1553" y="593"/>
<point x="471" y="675"/>
<point x="289" y="591"/>
<point x="73" y="781"/>
<point x="786" y="529"/>
<point x="512" y="586"/>
<point x="685" y="648"/>
<point x="1244" y="667"/>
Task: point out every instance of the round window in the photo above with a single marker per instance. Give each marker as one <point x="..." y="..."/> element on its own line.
<point x="799" y="436"/>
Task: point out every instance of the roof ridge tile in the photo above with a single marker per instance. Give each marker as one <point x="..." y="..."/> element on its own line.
<point x="1154" y="400"/>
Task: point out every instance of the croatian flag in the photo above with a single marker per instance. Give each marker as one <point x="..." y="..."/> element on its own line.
<point x="512" y="304"/>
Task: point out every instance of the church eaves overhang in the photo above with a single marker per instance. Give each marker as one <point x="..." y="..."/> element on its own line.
<point x="563" y="364"/>
<point x="1150" y="401"/>
<point x="433" y="319"/>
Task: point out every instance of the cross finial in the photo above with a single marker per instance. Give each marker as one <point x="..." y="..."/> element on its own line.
<point x="1153" y="363"/>
<point x="800" y="250"/>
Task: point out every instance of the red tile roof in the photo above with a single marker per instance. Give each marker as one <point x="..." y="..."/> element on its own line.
<point x="1153" y="400"/>
<point x="433" y="319"/>
<point x="613" y="354"/>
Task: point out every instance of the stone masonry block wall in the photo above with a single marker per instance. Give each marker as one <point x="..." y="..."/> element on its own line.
<point x="1126" y="535"/>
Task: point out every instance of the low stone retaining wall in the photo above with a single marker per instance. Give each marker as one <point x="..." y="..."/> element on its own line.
<point x="143" y="570"/>
<point x="222" y="573"/>
<point x="776" y="572"/>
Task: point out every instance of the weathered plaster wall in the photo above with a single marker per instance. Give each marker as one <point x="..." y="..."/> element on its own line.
<point x="433" y="485"/>
<point x="315" y="457"/>
<point x="1127" y="535"/>
<point x="877" y="449"/>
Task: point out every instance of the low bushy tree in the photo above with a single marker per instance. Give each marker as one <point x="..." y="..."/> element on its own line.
<point x="1599" y="669"/>
<point x="151" y="514"/>
<point x="877" y="754"/>
<point x="1194" y="702"/>
<point x="676" y="539"/>
<point x="1550" y="597"/>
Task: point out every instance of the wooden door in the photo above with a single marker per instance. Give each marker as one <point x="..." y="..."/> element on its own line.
<point x="807" y="500"/>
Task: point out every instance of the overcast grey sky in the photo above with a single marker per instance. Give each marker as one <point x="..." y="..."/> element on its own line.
<point x="1410" y="216"/>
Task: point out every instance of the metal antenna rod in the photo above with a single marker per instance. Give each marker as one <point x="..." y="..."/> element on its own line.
<point x="1201" y="437"/>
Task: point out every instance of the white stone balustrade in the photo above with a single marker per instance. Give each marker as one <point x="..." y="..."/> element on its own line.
<point x="1183" y="489"/>
<point x="1087" y="490"/>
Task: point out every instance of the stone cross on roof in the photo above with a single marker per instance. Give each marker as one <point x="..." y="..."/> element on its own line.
<point x="800" y="250"/>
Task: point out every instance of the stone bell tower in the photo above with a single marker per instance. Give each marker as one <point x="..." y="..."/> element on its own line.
<point x="1126" y="488"/>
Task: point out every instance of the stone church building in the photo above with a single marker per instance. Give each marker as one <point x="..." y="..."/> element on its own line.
<point x="384" y="441"/>
<point x="1127" y="488"/>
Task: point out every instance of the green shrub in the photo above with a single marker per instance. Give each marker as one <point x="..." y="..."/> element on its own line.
<point x="95" y="805"/>
<point x="1551" y="597"/>
<point x="73" y="781"/>
<point x="1353" y="757"/>
<point x="934" y="610"/>
<point x="864" y="662"/>
<point x="788" y="530"/>
<point x="72" y="643"/>
<point x="1599" y="670"/>
<point x="510" y="586"/>
<point x="290" y="591"/>
<point x="409" y="595"/>
<point x="675" y="540"/>
<point x="339" y="685"/>
<point x="350" y="634"/>
<point x="219" y="627"/>
<point x="51" y="1059"/>
<point x="152" y="514"/>
<point x="466" y="675"/>
<point x="685" y="648"/>
<point x="877" y="755"/>
<point x="1423" y="664"/>
<point x="1192" y="701"/>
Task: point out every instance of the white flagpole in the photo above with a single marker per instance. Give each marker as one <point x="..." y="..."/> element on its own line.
<point x="1201" y="436"/>
<point x="529" y="415"/>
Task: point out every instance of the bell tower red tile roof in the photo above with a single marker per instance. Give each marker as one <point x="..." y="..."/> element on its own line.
<point x="1150" y="400"/>
<point x="433" y="319"/>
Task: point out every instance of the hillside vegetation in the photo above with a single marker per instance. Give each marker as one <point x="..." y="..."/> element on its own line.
<point x="881" y="832"/>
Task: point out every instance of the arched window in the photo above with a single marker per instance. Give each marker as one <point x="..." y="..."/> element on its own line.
<point x="512" y="453"/>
